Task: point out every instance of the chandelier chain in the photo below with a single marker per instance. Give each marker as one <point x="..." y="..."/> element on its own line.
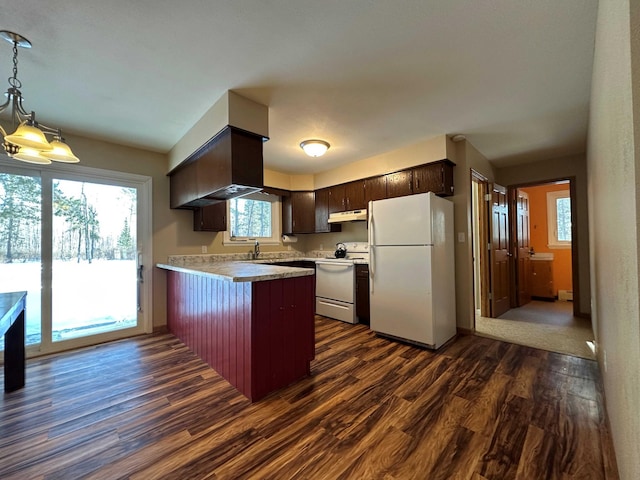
<point x="13" y="81"/>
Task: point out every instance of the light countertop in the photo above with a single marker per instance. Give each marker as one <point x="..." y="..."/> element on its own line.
<point x="240" y="271"/>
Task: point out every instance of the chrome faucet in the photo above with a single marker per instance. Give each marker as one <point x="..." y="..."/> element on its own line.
<point x="256" y="250"/>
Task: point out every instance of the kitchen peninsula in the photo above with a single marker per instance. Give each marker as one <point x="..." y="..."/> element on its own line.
<point x="252" y="323"/>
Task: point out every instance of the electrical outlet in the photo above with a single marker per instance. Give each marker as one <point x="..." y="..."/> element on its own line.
<point x="288" y="247"/>
<point x="321" y="247"/>
<point x="204" y="249"/>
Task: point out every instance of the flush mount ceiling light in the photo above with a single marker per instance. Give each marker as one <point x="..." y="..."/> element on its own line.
<point x="28" y="142"/>
<point x="315" y="148"/>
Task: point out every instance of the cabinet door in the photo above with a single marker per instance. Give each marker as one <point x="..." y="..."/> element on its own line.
<point x="362" y="293"/>
<point x="435" y="177"/>
<point x="212" y="218"/>
<point x="542" y="279"/>
<point x="354" y="195"/>
<point x="428" y="178"/>
<point x="375" y="188"/>
<point x="337" y="201"/>
<point x="183" y="186"/>
<point x="303" y="212"/>
<point x="399" y="184"/>
<point x="287" y="215"/>
<point x="322" y="213"/>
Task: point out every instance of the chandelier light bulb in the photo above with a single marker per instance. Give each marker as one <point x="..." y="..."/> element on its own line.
<point x="31" y="155"/>
<point x="28" y="136"/>
<point x="61" y="152"/>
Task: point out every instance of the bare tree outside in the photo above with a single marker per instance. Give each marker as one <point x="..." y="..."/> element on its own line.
<point x="93" y="252"/>
<point x="250" y="218"/>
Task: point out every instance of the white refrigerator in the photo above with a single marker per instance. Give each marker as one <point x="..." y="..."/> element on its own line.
<point x="411" y="269"/>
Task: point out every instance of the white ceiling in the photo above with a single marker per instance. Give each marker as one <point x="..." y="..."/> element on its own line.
<point x="368" y="76"/>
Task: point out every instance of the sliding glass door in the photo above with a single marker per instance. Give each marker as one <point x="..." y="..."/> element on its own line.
<point x="20" y="245"/>
<point x="76" y="241"/>
<point x="94" y="268"/>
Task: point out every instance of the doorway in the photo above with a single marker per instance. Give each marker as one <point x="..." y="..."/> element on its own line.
<point x="76" y="239"/>
<point x="542" y="308"/>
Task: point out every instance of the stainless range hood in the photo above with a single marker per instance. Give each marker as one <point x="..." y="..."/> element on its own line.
<point x="350" y="216"/>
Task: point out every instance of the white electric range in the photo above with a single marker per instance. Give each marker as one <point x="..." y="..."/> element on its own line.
<point x="335" y="283"/>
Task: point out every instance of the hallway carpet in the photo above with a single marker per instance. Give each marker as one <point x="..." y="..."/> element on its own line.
<point x="547" y="325"/>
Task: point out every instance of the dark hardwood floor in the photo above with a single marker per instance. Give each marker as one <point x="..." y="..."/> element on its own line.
<point x="148" y="408"/>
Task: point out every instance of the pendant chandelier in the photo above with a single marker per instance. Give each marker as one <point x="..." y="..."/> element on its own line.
<point x="28" y="142"/>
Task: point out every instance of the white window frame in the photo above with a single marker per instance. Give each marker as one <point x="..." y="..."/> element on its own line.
<point x="276" y="229"/>
<point x="552" y="219"/>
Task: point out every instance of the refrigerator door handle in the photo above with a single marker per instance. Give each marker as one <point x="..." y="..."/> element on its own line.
<point x="372" y="248"/>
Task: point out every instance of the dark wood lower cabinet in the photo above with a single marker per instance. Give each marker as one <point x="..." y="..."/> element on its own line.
<point x="259" y="336"/>
<point x="362" y="293"/>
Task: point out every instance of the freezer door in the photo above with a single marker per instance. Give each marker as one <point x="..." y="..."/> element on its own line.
<point x="401" y="221"/>
<point x="401" y="293"/>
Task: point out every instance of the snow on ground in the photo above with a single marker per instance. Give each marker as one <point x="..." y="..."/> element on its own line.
<point x="87" y="298"/>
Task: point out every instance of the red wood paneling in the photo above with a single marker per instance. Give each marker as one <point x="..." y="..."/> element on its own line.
<point x="259" y="336"/>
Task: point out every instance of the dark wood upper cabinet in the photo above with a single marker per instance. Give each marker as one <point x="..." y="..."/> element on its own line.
<point x="375" y="188"/>
<point x="212" y="218"/>
<point x="298" y="213"/>
<point x="183" y="186"/>
<point x="436" y="177"/>
<point x="354" y="195"/>
<point x="399" y="184"/>
<point x="227" y="166"/>
<point x="337" y="200"/>
<point x="322" y="213"/>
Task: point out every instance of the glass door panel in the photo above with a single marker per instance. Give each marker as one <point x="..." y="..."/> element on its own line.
<point x="94" y="250"/>
<point x="20" y="245"/>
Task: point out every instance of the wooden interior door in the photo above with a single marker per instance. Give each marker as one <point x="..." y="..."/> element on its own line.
<point x="523" y="246"/>
<point x="481" y="239"/>
<point x="500" y="302"/>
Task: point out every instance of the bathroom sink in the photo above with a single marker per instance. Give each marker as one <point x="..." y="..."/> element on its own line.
<point x="542" y="256"/>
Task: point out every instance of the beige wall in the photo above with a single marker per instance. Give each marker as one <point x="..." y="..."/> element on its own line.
<point x="287" y="181"/>
<point x="230" y="109"/>
<point x="429" y="150"/>
<point x="467" y="158"/>
<point x="552" y="170"/>
<point x="613" y="178"/>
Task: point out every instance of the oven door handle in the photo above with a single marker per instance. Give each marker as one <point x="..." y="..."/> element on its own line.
<point x="336" y="264"/>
